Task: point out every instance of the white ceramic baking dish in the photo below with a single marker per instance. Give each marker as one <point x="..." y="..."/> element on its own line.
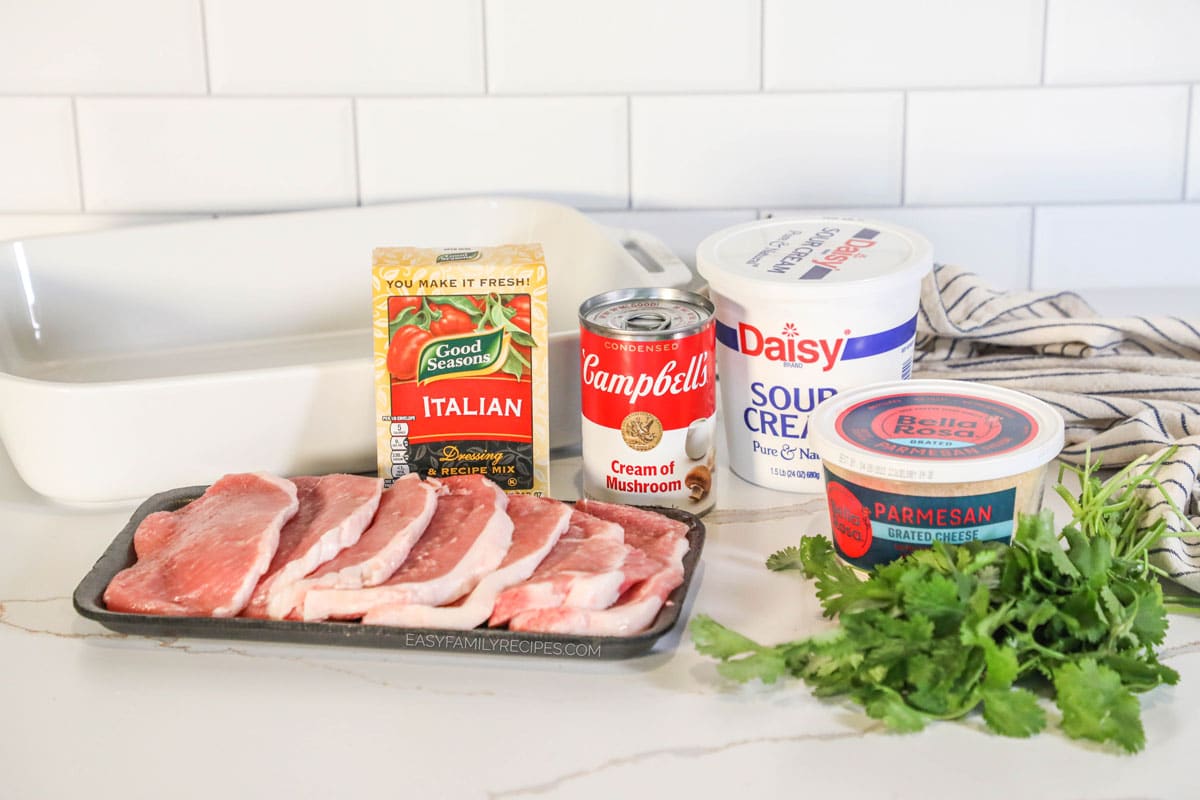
<point x="141" y="358"/>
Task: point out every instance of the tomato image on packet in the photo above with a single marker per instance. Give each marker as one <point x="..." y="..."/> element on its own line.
<point x="460" y="364"/>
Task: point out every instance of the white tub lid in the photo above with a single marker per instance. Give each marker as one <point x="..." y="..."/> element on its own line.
<point x="816" y="256"/>
<point x="933" y="431"/>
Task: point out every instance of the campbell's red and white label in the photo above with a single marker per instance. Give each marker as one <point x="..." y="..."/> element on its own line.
<point x="673" y="379"/>
<point x="649" y="418"/>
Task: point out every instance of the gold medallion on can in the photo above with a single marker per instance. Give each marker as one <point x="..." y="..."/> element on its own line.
<point x="641" y="430"/>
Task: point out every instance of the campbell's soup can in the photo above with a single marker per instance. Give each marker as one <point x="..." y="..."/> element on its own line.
<point x="647" y="362"/>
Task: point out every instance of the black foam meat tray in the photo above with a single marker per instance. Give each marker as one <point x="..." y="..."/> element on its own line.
<point x="89" y="602"/>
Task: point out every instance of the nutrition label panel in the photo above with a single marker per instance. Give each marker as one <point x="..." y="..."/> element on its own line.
<point x="399" y="448"/>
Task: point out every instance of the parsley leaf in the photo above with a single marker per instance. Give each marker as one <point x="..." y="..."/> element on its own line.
<point x="714" y="639"/>
<point x="1096" y="705"/>
<point x="787" y="558"/>
<point x="1091" y="556"/>
<point x="756" y="661"/>
<point x="1149" y="622"/>
<point x="885" y="704"/>
<point x="1013" y="712"/>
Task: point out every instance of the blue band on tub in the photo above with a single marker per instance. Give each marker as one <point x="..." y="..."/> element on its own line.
<point x="727" y="335"/>
<point x="882" y="342"/>
<point x="856" y="346"/>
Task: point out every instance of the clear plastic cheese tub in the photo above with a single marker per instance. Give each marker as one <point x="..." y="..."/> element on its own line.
<point x="168" y="355"/>
<point x="910" y="463"/>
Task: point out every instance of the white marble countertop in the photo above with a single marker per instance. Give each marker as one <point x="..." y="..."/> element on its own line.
<point x="90" y="713"/>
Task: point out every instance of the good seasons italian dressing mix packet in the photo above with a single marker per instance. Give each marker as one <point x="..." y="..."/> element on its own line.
<point x="460" y="364"/>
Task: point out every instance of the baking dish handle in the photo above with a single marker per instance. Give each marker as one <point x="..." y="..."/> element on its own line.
<point x="664" y="267"/>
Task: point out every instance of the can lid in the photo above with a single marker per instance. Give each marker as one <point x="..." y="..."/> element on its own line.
<point x="646" y="312"/>
<point x="934" y="431"/>
<point x="821" y="255"/>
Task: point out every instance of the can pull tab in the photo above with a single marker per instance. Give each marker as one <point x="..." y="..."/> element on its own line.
<point x="647" y="321"/>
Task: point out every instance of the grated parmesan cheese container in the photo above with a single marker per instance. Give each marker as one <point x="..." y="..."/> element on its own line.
<point x="806" y="309"/>
<point x="910" y="463"/>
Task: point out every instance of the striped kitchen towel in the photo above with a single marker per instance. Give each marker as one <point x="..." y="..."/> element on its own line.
<point x="1126" y="386"/>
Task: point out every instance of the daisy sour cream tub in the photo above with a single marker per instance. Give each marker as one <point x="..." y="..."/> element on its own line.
<point x="910" y="463"/>
<point x="805" y="309"/>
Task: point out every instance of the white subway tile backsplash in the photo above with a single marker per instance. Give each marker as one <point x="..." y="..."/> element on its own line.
<point x="622" y="46"/>
<point x="216" y="154"/>
<point x="680" y="231"/>
<point x="992" y="242"/>
<point x="760" y="150"/>
<point x="569" y="149"/>
<point x="1148" y="301"/>
<point x="1046" y="145"/>
<point x="1050" y="138"/>
<point x="890" y="44"/>
<point x="37" y="155"/>
<point x="345" y="46"/>
<point x="115" y="46"/>
<point x="1113" y="41"/>
<point x="1080" y="247"/>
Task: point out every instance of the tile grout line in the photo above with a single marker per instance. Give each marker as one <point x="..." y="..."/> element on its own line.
<point x="78" y="154"/>
<point x="204" y="48"/>
<point x="951" y="206"/>
<point x="1033" y="214"/>
<point x="695" y="95"/>
<point x="357" y="160"/>
<point x="1045" y="38"/>
<point x="772" y="208"/>
<point x="904" y="150"/>
<point x="762" y="45"/>
<point x="1187" y="142"/>
<point x="483" y="35"/>
<point x="628" y="152"/>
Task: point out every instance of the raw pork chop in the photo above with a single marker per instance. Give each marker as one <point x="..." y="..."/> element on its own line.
<point x="334" y="511"/>
<point x="538" y="522"/>
<point x="205" y="559"/>
<point x="466" y="539"/>
<point x="403" y="514"/>
<point x="584" y="570"/>
<point x="661" y="540"/>
<point x="634" y="612"/>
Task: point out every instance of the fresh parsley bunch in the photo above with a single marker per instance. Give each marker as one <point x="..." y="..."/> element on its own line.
<point x="947" y="630"/>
